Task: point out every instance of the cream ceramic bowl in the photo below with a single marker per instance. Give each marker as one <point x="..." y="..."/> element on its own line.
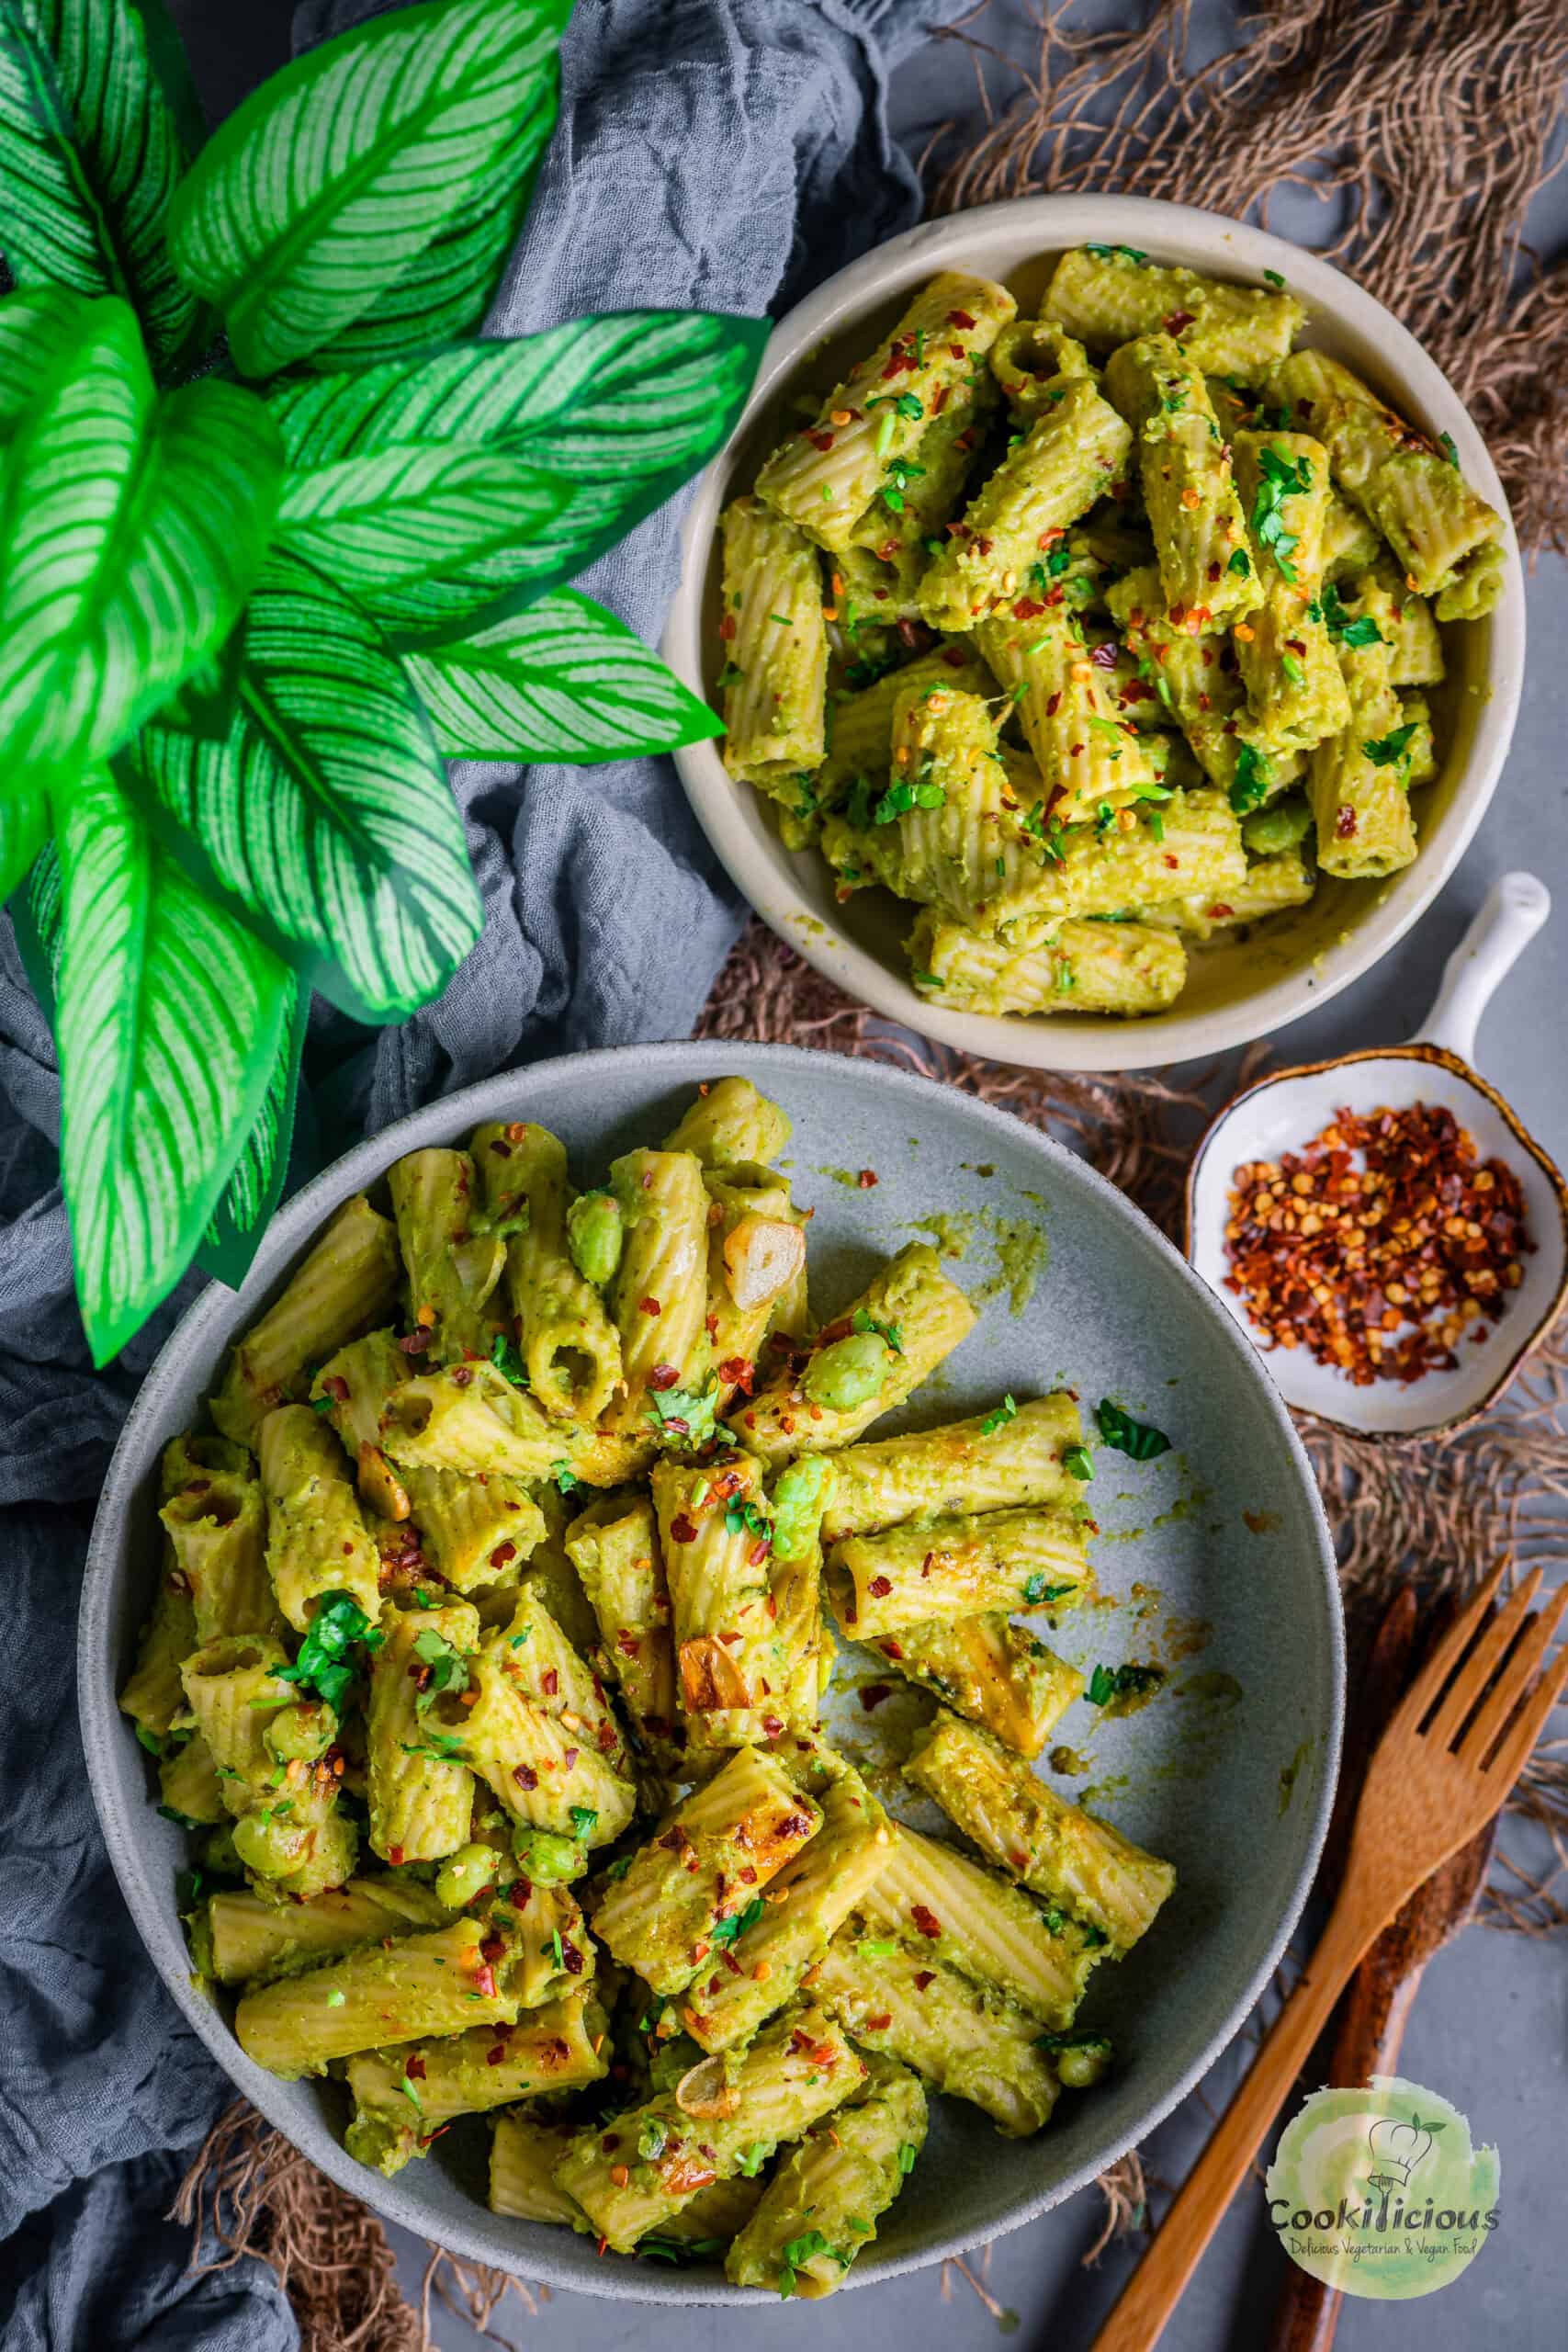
<point x="1234" y="992"/>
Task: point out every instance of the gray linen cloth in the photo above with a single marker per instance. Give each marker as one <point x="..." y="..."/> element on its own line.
<point x="717" y="153"/>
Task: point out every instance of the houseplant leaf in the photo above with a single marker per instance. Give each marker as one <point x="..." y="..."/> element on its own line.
<point x="383" y="524"/>
<point x="24" y="830"/>
<point x="131" y="528"/>
<point x="168" y="1017"/>
<point x="323" y="189"/>
<point x="95" y="117"/>
<point x="561" y="679"/>
<point x="325" y="810"/>
<point x="245" y="1205"/>
<point x="618" y="412"/>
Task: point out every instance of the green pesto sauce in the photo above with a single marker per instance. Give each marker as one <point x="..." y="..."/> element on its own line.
<point x="1152" y="1680"/>
<point x="1215" y="1689"/>
<point x="1068" y="1763"/>
<point x="1022" y="1249"/>
<point x="846" y="1176"/>
<point x="949" y="1234"/>
<point x="1291" y="1774"/>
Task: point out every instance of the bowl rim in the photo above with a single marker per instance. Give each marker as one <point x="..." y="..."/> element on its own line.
<point x="1418" y="1049"/>
<point x="104" y="1732"/>
<point x="1214" y="240"/>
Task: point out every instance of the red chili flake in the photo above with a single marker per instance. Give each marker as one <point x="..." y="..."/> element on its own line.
<point x="736" y="1372"/>
<point x="960" y="318"/>
<point x="1178" y="320"/>
<point x="1173" y="862"/>
<point x="484" y="1980"/>
<point x="572" y="1958"/>
<point x="413" y="2067"/>
<point x="683" y="1530"/>
<point x="1344" y="821"/>
<point x="927" y="1921"/>
<point x="503" y="1554"/>
<point x="879" y="1588"/>
<point x="394" y="1855"/>
<point x="503" y="1150"/>
<point x="899" y="359"/>
<point x="648" y="1307"/>
<point x="953" y="658"/>
<point x="494" y="2057"/>
<point x="336" y="1387"/>
<point x="773" y="1726"/>
<point x="873" y="1694"/>
<point x="1028" y="608"/>
<point x="1220" y="913"/>
<point x="492" y="1949"/>
<point x="725" y="630"/>
<point x="549" y="1681"/>
<point x="1214" y="571"/>
<point x="605" y="1735"/>
<point x="626" y="1642"/>
<point x="525" y="1776"/>
<point x="1054" y="704"/>
<point x="866" y="1179"/>
<point x="890" y="1649"/>
<point x="924" y="1976"/>
<point x="570" y="1759"/>
<point x="461" y="1375"/>
<point x="416" y="1343"/>
<point x="911" y="633"/>
<point x="819" y="440"/>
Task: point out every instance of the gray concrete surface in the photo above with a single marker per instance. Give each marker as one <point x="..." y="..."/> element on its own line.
<point x="1490" y="2028"/>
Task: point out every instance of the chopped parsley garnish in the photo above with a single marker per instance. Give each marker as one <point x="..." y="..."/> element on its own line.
<point x="728" y="1931"/>
<point x="751" y="2160"/>
<point x="747" y="1519"/>
<point x="324" y="1665"/>
<point x="927" y="981"/>
<point x="336" y="1996"/>
<point x="446" y="1667"/>
<point x="680" y="2250"/>
<point x="565" y="1476"/>
<point x="1273" y="277"/>
<point x="1282" y="476"/>
<point x="1386" y="751"/>
<point x="181" y="1820"/>
<point x="1449" y="451"/>
<point x="322" y="1405"/>
<point x="505" y="1356"/>
<point x="1240" y="563"/>
<point x="1048" y="833"/>
<point x="556" y="1954"/>
<point x="1040" y="1595"/>
<point x="684" y="1415"/>
<point x="1292" y="669"/>
<point x="650" y="2139"/>
<point x="1250" y="788"/>
<point x="584" y="1817"/>
<point x="1140" y="1440"/>
<point x="877" y="1947"/>
<point x="730" y="675"/>
<point x="905" y="404"/>
<point x="800" y="2251"/>
<point x="1127" y="253"/>
<point x="441" y="1747"/>
<point x="1362" y="630"/>
<point x="906" y="2156"/>
<point x="618" y="1869"/>
<point x="1077" y="1462"/>
<point x="890" y="1333"/>
<point x="906" y="795"/>
<point x="998" y="1418"/>
<point x="1109" y="1682"/>
<point x="782" y="619"/>
<point x="859" y="803"/>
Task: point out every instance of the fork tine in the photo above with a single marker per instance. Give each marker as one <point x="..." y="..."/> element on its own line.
<point x="1493" y="1718"/>
<point x="1483" y="1661"/>
<point x="1506" y="1767"/>
<point x="1428" y="1684"/>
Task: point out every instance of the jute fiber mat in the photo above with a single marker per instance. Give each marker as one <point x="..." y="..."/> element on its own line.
<point x="1424" y="128"/>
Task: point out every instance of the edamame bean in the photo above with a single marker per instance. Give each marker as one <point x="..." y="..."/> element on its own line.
<point x="799" y="1498"/>
<point x="594" y="1232"/>
<point x="1082" y="2061"/>
<point x="307" y="1730"/>
<point x="1279" y="826"/>
<point x="465" y="1874"/>
<point x="547" y="1857"/>
<point x="849" y="1372"/>
<point x="266" y="1844"/>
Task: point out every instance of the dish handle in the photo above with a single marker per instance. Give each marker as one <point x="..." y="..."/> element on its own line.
<point x="1515" y="909"/>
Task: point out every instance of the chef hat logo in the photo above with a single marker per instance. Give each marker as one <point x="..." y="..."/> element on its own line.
<point x="1398" y="2147"/>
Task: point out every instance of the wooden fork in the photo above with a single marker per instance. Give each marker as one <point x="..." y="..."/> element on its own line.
<point x="1443" y="1768"/>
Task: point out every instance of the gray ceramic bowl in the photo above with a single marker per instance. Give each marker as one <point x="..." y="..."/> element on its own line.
<point x="1216" y="1560"/>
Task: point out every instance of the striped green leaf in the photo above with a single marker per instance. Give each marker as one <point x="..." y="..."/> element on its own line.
<point x="617" y="412"/>
<point x="245" y="1205"/>
<point x="24" y="830"/>
<point x="381" y="525"/>
<point x="315" y="204"/>
<point x="94" y="115"/>
<point x="131" y="528"/>
<point x="168" y="1019"/>
<point x="325" y="809"/>
<point x="561" y="679"/>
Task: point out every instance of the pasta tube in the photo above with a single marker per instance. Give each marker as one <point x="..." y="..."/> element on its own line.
<point x="1063" y="465"/>
<point x="547" y="1774"/>
<point x="217" y="1533"/>
<point x="614" y="1544"/>
<point x="545" y="1667"/>
<point x="731" y="1124"/>
<point x="861" y="731"/>
<point x="1443" y="533"/>
<point x="527" y="2151"/>
<point x="756" y="1255"/>
<point x="721" y="1848"/>
<point x="256" y="1939"/>
<point x="821" y="2206"/>
<point x="910" y="1298"/>
<point x="1271" y="884"/>
<point x="454" y="1263"/>
<point x="1287" y="663"/>
<point x="188" y="1782"/>
<point x="715" y="1537"/>
<point x="439" y="1981"/>
<point x="1055" y="1849"/>
<point x="954" y="1568"/>
<point x="471" y="1419"/>
<point x="1358" y="780"/>
<point x="153" y="1695"/>
<point x="774" y="678"/>
<point x="288" y="1832"/>
<point x="826" y="476"/>
<point x="660" y="1300"/>
<point x="996" y="1673"/>
<point x="1107" y="295"/>
<point x="569" y="1344"/>
<point x="1048" y="967"/>
<point x="1001" y="1459"/>
<point x="404" y="2094"/>
<point x="951" y="1910"/>
<point x="348" y="1281"/>
<point x="1028" y="359"/>
<point x="420" y="1800"/>
<point x="1089" y="756"/>
<point x="783" y="1932"/>
<point x="317" y="1541"/>
<point x="904" y="2004"/>
<point x="924" y="489"/>
<point x="1194" y="512"/>
<point x="630" y="2176"/>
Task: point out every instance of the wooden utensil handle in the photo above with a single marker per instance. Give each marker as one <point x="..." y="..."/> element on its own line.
<point x="1152" y="2292"/>
<point x="1377" y="2010"/>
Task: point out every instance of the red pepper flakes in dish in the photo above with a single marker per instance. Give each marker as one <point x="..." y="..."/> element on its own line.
<point x="1380" y="1245"/>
